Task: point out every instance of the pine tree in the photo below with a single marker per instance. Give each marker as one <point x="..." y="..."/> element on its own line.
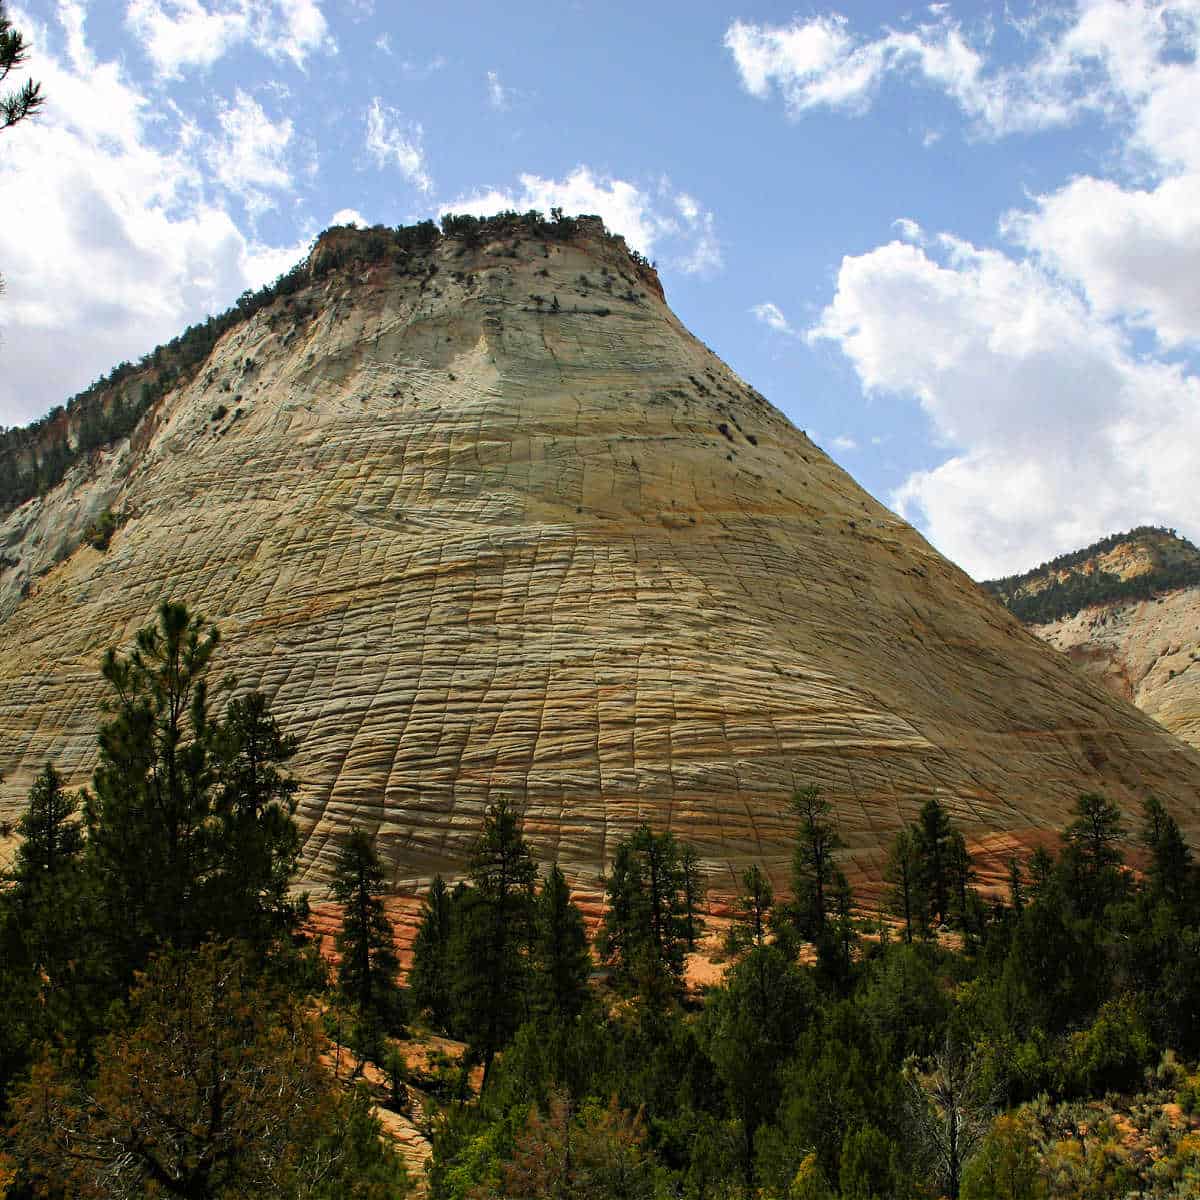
<point x="51" y="839"/>
<point x="149" y="847"/>
<point x="45" y="896"/>
<point x="27" y="99"/>
<point x="934" y="835"/>
<point x="902" y="872"/>
<point x="1171" y="871"/>
<point x="366" y="942"/>
<point x="259" y="843"/>
<point x="561" y="959"/>
<point x="491" y="954"/>
<point x="693" y="893"/>
<point x="644" y="933"/>
<point x="752" y="911"/>
<point x="1091" y="859"/>
<point x="1016" y="885"/>
<point x="430" y="979"/>
<point x="813" y="868"/>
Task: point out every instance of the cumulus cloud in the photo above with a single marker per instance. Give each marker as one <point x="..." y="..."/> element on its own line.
<point x="391" y="141"/>
<point x="177" y="34"/>
<point x="1058" y="432"/>
<point x="348" y="216"/>
<point x="772" y="316"/>
<point x="844" y="441"/>
<point x="110" y="244"/>
<point x="647" y="220"/>
<point x="1057" y="429"/>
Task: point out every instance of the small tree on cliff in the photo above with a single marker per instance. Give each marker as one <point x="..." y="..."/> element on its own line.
<point x="366" y="942"/>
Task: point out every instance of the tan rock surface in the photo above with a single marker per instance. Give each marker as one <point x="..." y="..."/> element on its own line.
<point x="474" y="543"/>
<point x="1147" y="652"/>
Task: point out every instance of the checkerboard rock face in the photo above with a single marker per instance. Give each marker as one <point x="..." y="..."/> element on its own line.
<point x="508" y="529"/>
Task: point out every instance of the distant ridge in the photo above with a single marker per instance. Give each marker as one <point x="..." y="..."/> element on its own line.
<point x="1138" y="565"/>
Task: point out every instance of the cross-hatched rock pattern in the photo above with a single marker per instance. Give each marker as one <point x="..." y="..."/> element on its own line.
<point x="495" y="524"/>
<point x="1147" y="651"/>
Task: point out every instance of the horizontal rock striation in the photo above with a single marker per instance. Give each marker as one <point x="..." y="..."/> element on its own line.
<point x="488" y="521"/>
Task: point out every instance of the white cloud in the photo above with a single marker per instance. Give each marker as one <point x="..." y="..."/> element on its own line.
<point x="348" y="216"/>
<point x="422" y="70"/>
<point x="384" y="43"/>
<point x="772" y="316"/>
<point x="391" y="142"/>
<point x="909" y="230"/>
<point x="684" y="229"/>
<point x="177" y="34"/>
<point x="822" y="63"/>
<point x="499" y="97"/>
<point x="704" y="257"/>
<point x="108" y="242"/>
<point x="250" y="156"/>
<point x="1058" y="432"/>
<point x="1135" y="253"/>
<point x="844" y="441"/>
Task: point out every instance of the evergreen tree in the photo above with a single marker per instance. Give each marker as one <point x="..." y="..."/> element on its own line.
<point x="750" y="1029"/>
<point x="149" y="847"/>
<point x="561" y="959"/>
<point x="644" y="933"/>
<point x="1091" y="858"/>
<point x="1041" y="872"/>
<point x="902" y="872"/>
<point x="491" y="960"/>
<point x="51" y="838"/>
<point x="814" y="872"/>
<point x="693" y="893"/>
<point x="26" y="100"/>
<point x="258" y="840"/>
<point x="934" y="842"/>
<point x="1016" y="885"/>
<point x="366" y="942"/>
<point x="1171" y="871"/>
<point x="430" y="979"/>
<point x="752" y="911"/>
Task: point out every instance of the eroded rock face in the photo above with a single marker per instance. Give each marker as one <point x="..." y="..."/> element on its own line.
<point x="1147" y="652"/>
<point x="506" y="528"/>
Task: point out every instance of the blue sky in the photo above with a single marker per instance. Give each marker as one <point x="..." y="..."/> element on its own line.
<point x="957" y="243"/>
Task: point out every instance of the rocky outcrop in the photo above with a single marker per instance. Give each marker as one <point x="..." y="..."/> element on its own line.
<point x="1125" y="615"/>
<point x="488" y="521"/>
<point x="1146" y="652"/>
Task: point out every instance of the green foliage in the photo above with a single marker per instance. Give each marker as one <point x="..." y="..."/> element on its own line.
<point x="99" y="532"/>
<point x="209" y="1062"/>
<point x="430" y="980"/>
<point x="26" y="100"/>
<point x="1063" y="598"/>
<point x="562" y="961"/>
<point x="644" y="935"/>
<point x="366" y="941"/>
<point x="492" y="936"/>
<point x="752" y="911"/>
<point x="815" y="875"/>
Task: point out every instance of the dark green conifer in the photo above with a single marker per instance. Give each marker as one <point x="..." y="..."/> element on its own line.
<point x="366" y="941"/>
<point x="561" y="959"/>
<point x="430" y="979"/>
